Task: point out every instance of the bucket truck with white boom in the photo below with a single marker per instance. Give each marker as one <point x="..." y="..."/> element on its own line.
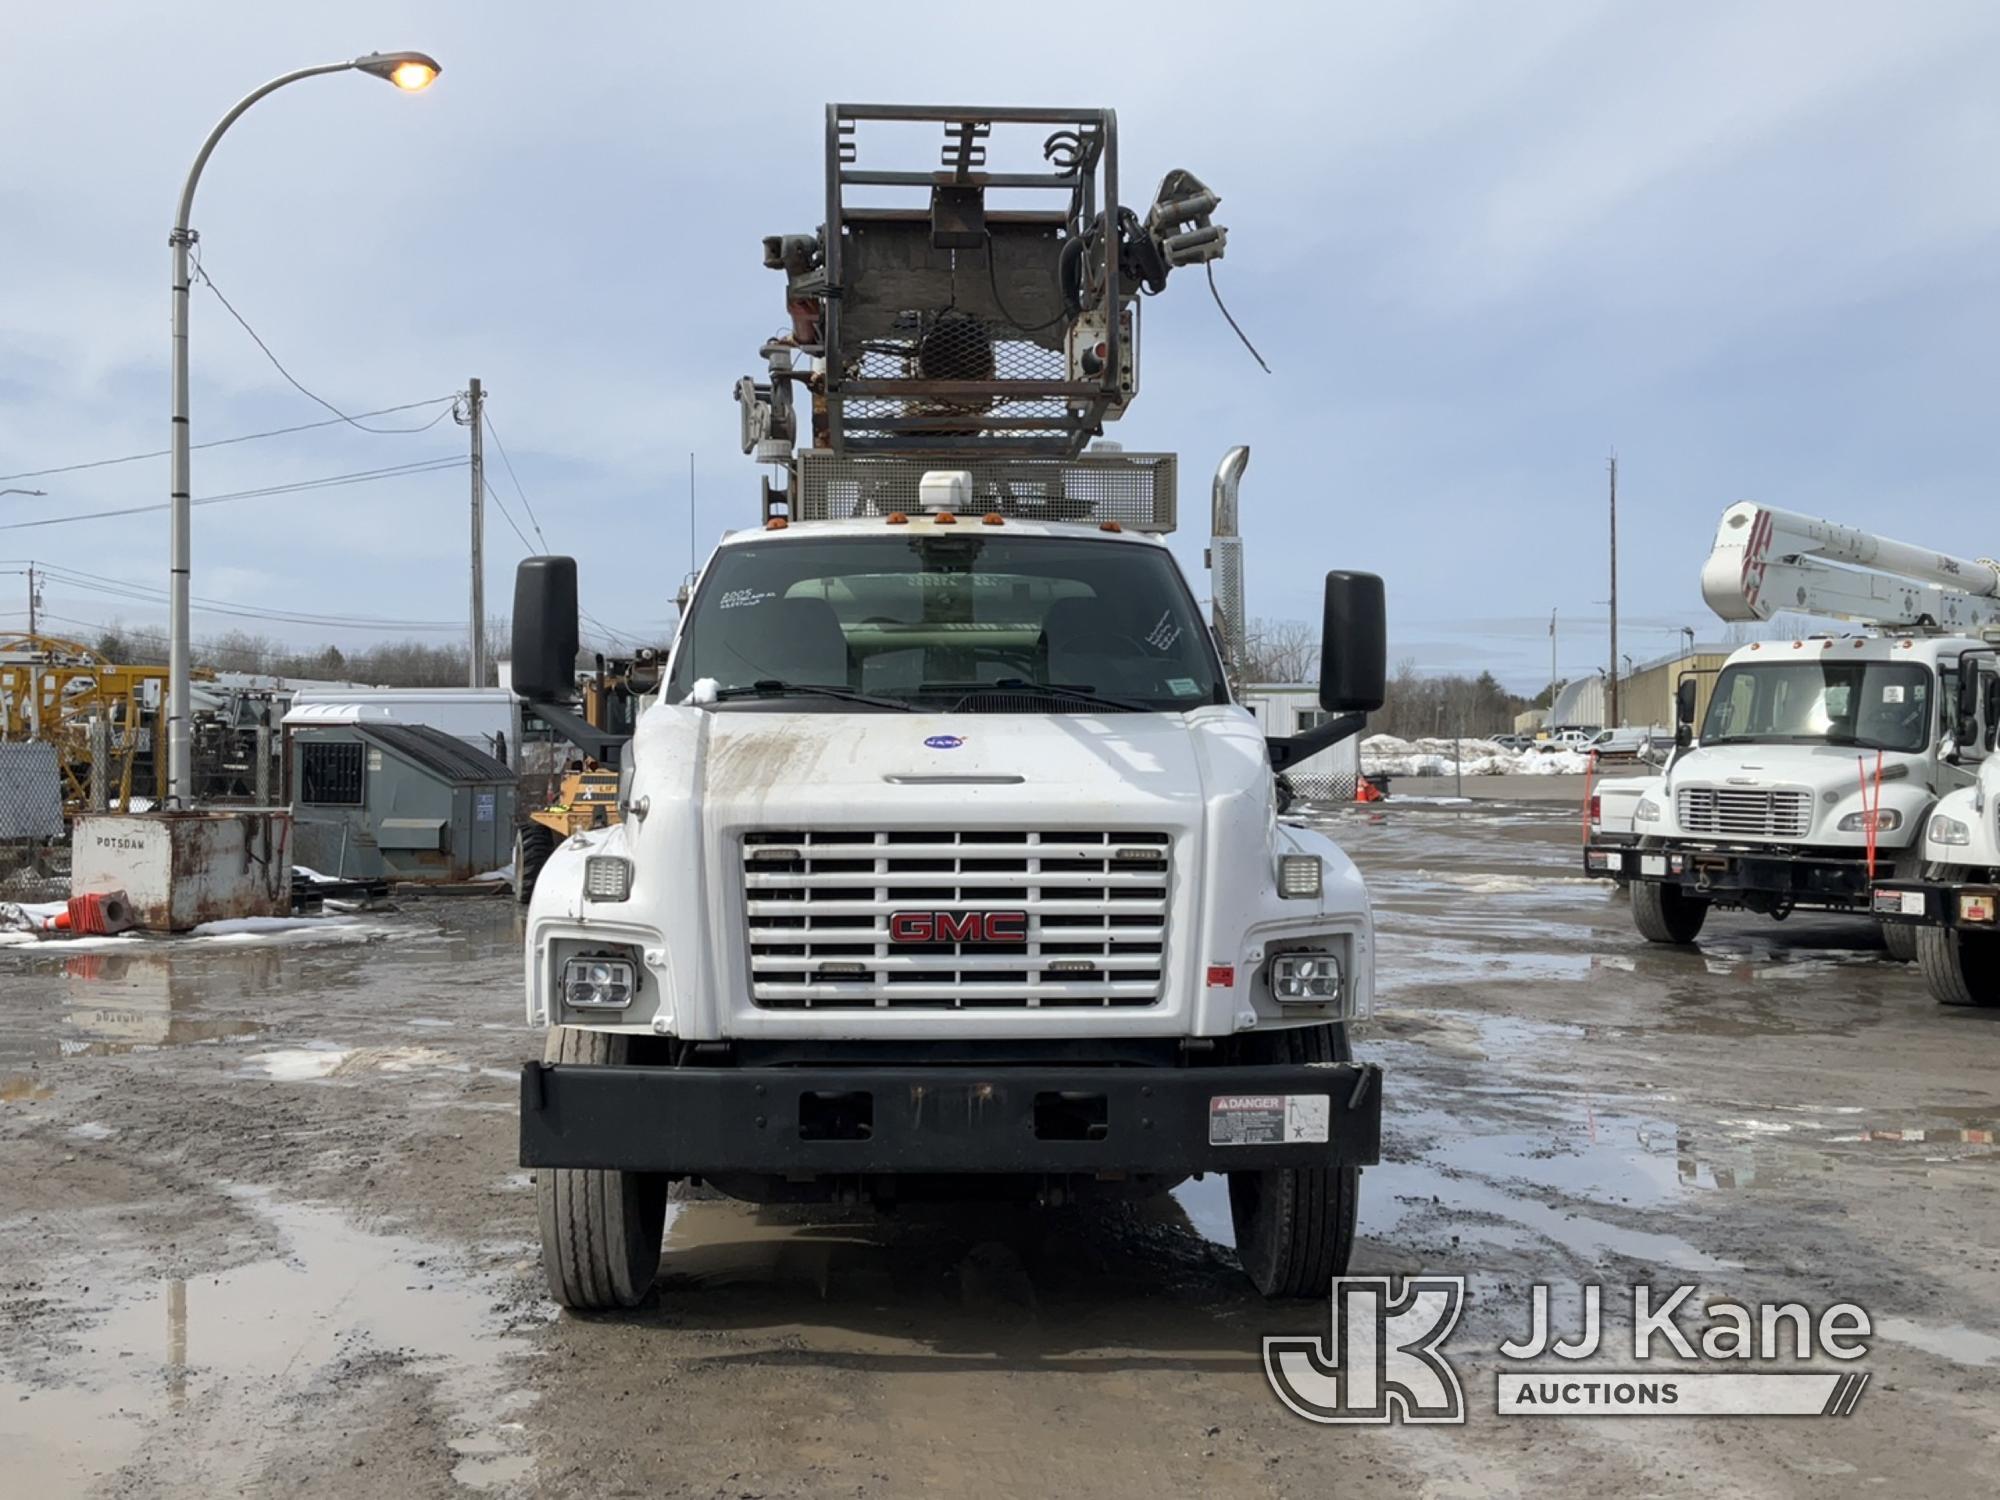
<point x="1819" y="761"/>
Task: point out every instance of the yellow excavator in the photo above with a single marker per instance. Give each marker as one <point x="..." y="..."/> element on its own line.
<point x="586" y="791"/>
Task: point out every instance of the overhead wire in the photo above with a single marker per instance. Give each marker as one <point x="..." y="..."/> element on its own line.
<point x="526" y="504"/>
<point x="208" y="281"/>
<point x="248" y="437"/>
<point x="97" y="583"/>
<point x="329" y="481"/>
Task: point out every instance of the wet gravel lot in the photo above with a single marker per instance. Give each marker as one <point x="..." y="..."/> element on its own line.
<point x="260" y="1229"/>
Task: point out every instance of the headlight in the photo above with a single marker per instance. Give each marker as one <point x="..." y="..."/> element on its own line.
<point x="606" y="877"/>
<point x="1947" y="830"/>
<point x="1306" y="979"/>
<point x="1299" y="876"/>
<point x="1886" y="820"/>
<point x="598" y="983"/>
<point x="1648" y="811"/>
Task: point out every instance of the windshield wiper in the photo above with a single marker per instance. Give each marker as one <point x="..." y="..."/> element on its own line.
<point x="1081" y="693"/>
<point x="771" y="687"/>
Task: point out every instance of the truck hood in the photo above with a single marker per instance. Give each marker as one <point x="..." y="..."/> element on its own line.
<point x="1830" y="775"/>
<point x="768" y="769"/>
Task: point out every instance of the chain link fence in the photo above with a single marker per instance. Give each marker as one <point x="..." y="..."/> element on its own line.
<point x="34" y="845"/>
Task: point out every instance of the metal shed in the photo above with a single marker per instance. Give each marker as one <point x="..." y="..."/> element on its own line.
<point x="1283" y="708"/>
<point x="397" y="802"/>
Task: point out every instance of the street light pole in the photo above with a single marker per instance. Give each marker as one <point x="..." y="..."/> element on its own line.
<point x="409" y="71"/>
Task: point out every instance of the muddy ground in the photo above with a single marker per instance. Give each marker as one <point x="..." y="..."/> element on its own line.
<point x="261" y="1230"/>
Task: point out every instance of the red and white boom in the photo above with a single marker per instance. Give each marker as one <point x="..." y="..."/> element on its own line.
<point x="1766" y="561"/>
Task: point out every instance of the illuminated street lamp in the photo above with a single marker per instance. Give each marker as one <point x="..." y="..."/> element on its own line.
<point x="409" y="71"/>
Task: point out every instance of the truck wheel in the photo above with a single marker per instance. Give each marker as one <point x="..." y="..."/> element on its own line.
<point x="1295" y="1225"/>
<point x="601" y="1231"/>
<point x="1666" y="913"/>
<point x="1961" y="968"/>
<point x="533" y="844"/>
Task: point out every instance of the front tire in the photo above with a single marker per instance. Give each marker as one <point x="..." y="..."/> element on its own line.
<point x="601" y="1231"/>
<point x="533" y="844"/>
<point x="1666" y="913"/>
<point x="1900" y="940"/>
<point x="1295" y="1225"/>
<point x="1960" y="968"/>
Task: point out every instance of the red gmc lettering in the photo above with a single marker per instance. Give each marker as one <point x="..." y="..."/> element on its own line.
<point x="958" y="927"/>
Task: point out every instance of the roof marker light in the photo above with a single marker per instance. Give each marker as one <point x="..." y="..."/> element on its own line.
<point x="897" y="518"/>
<point x="1109" y="526"/>
<point x="993" y="518"/>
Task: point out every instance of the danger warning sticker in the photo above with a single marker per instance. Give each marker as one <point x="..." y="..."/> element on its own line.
<point x="1267" y="1119"/>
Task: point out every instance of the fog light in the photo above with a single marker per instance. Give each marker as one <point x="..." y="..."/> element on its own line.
<point x="1299" y="876"/>
<point x="598" y="983"/>
<point x="1306" y="979"/>
<point x="606" y="878"/>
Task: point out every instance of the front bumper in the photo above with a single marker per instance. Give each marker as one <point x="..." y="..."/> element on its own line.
<point x="1730" y="876"/>
<point x="949" y="1119"/>
<point x="1916" y="903"/>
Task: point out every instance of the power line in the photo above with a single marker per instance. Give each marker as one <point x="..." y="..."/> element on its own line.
<point x="330" y="481"/>
<point x="507" y="516"/>
<point x="292" y="380"/>
<point x="146" y="594"/>
<point x="526" y="504"/>
<point x="249" y="437"/>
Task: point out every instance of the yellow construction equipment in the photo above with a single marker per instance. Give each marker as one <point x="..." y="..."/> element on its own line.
<point x="55" y="690"/>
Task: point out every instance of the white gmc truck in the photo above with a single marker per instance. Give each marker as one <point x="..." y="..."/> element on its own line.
<point x="948" y="866"/>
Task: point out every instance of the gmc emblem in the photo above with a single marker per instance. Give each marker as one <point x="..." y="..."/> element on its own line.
<point x="958" y="927"/>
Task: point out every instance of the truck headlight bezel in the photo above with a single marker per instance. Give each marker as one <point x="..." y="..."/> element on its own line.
<point x="607" y="877"/>
<point x="599" y="981"/>
<point x="1887" y="820"/>
<point x="1945" y="829"/>
<point x="1307" y="976"/>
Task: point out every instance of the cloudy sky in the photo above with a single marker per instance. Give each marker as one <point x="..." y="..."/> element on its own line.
<point x="1750" y="247"/>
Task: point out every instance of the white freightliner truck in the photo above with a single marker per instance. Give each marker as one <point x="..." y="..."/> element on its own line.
<point x="949" y="864"/>
<point x="1819" y="761"/>
<point x="1952" y="906"/>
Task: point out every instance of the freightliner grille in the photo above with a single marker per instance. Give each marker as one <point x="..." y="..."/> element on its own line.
<point x="1732" y="812"/>
<point x="819" y="907"/>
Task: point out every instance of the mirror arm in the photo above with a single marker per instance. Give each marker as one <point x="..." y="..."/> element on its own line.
<point x="1289" y="750"/>
<point x="598" y="744"/>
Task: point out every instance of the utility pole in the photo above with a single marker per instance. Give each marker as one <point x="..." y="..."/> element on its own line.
<point x="1551" y="723"/>
<point x="1612" y="719"/>
<point x="475" y="404"/>
<point x="31" y="598"/>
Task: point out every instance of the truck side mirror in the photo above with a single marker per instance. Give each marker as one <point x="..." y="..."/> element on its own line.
<point x="1970" y="679"/>
<point x="1354" y="645"/>
<point x="1684" y="696"/>
<point x="545" y="629"/>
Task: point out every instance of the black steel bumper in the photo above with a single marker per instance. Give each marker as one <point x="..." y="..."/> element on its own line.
<point x="1917" y="903"/>
<point x="940" y="1119"/>
<point x="1729" y="876"/>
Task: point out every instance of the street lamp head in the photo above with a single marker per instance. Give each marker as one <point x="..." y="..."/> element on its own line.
<point x="412" y="72"/>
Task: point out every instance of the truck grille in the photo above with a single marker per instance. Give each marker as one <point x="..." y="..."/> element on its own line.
<point x="1745" y="813"/>
<point x="820" y="905"/>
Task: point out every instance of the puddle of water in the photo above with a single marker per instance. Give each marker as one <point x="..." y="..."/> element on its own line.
<point x="23" y="1088"/>
<point x="256" y="1338"/>
<point x="321" y="1060"/>
<point x="1953" y="1341"/>
<point x="1206" y="1204"/>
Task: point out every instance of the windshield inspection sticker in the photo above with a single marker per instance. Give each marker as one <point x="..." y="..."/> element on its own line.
<point x="1267" y="1119"/>
<point x="944" y="742"/>
<point x="1183" y="687"/>
<point x="1893" y="693"/>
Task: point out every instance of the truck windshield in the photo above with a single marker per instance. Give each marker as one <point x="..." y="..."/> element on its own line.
<point x="975" y="622"/>
<point x="1875" y="705"/>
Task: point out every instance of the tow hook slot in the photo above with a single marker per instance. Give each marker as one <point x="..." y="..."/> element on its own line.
<point x="1068" y="1116"/>
<point x="844" y="1115"/>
